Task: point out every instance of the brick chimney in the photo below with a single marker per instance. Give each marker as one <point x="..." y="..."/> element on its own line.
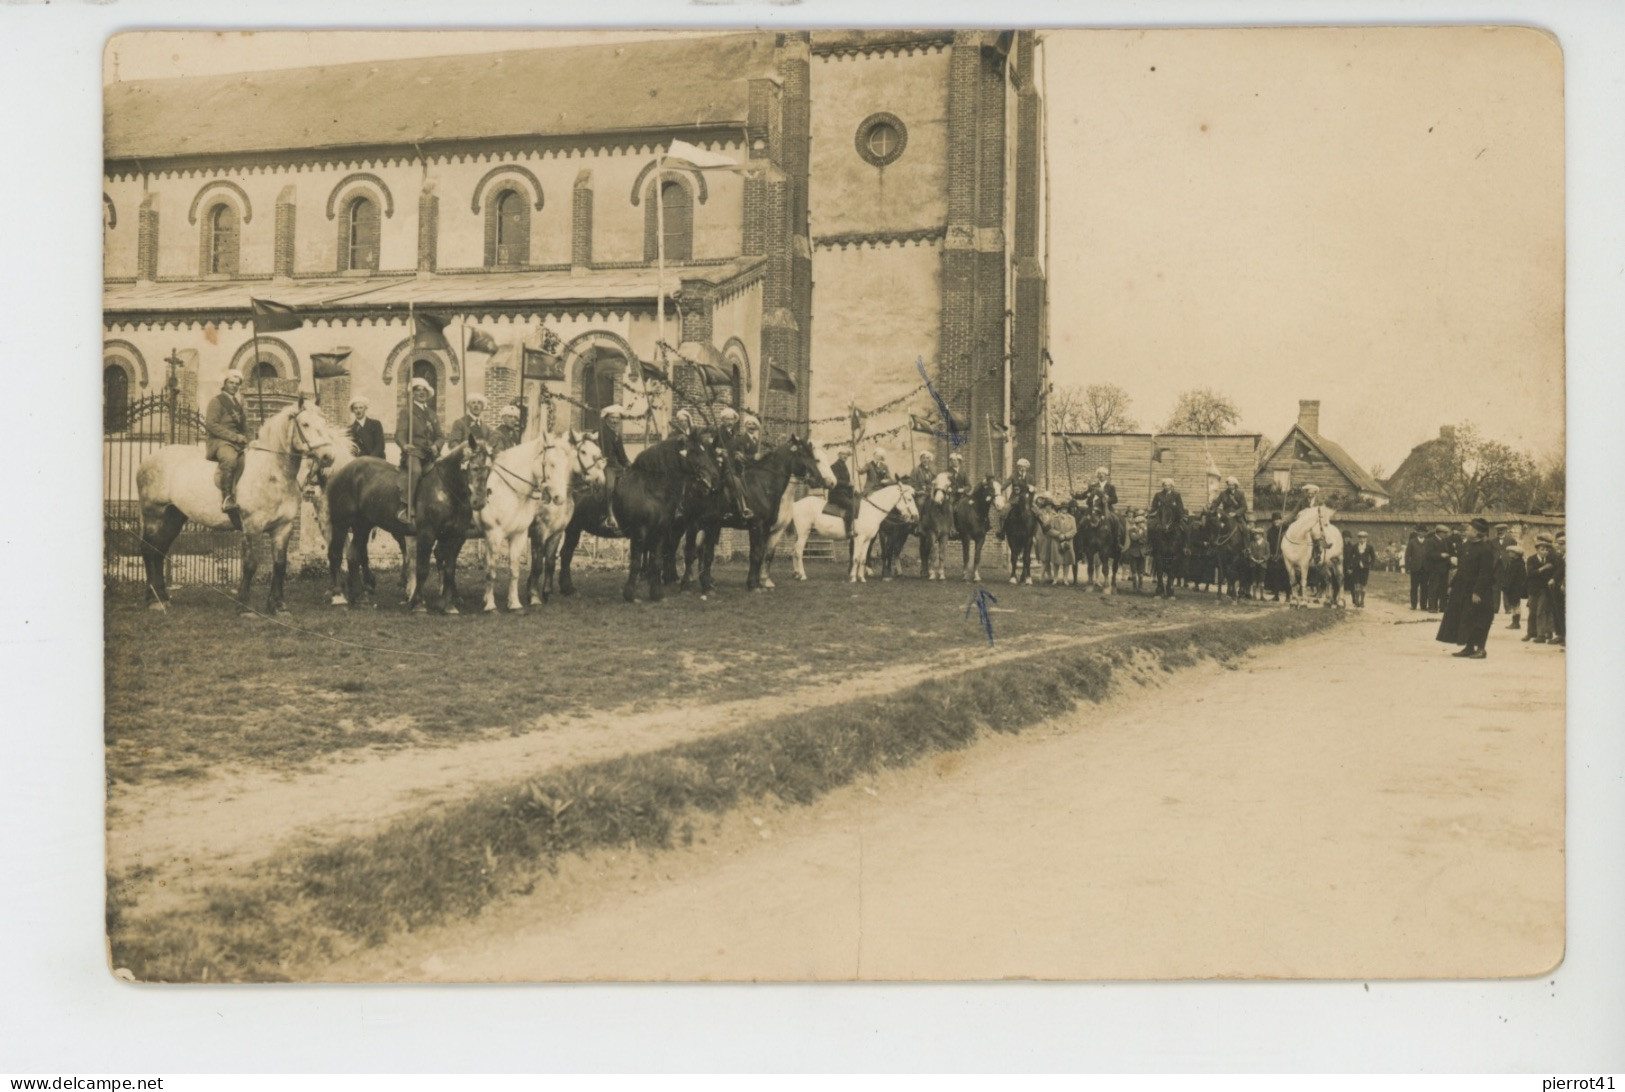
<point x="1309" y="416"/>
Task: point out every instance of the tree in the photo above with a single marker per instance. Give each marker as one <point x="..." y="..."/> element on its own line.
<point x="1463" y="472"/>
<point x="1203" y="410"/>
<point x="1105" y="409"/>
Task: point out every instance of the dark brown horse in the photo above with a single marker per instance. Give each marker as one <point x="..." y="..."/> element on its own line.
<point x="972" y="518"/>
<point x="1020" y="533"/>
<point x="645" y="502"/>
<point x="1165" y="535"/>
<point x="764" y="483"/>
<point x="366" y="493"/>
<point x="1101" y="541"/>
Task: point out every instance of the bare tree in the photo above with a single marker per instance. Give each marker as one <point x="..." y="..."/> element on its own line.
<point x="1203" y="410"/>
<point x="1464" y="472"/>
<point x="1067" y="407"/>
<point x="1105" y="407"/>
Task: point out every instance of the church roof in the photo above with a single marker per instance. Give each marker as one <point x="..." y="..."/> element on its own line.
<point x="395" y="292"/>
<point x="661" y="84"/>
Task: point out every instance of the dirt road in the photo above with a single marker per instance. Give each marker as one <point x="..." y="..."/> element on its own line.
<point x="1352" y="805"/>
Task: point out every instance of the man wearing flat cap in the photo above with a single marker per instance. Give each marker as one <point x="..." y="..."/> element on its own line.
<point x="226" y="423"/>
<point x="366" y="433"/>
<point x="1358" y="561"/>
<point x="1415" y="552"/>
<point x="1471" y="610"/>
<point x="1436" y="567"/>
<point x="1511" y="578"/>
<point x="418" y="435"/>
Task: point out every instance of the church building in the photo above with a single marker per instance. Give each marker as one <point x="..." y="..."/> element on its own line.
<point x="887" y="209"/>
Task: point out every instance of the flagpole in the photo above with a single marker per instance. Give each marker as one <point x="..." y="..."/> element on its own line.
<point x="412" y="333"/>
<point x="259" y="382"/>
<point x="462" y="352"/>
<point x="660" y="280"/>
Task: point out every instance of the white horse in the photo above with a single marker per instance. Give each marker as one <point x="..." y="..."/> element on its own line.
<point x="529" y="483"/>
<point x="177" y="483"/>
<point x="1310" y="526"/>
<point x="785" y="520"/>
<point x="872" y="511"/>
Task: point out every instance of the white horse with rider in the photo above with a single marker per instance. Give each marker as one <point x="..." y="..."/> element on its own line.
<point x="872" y="512"/>
<point x="1312" y="530"/>
<point x="528" y="491"/>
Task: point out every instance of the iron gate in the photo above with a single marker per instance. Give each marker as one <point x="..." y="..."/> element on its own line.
<point x="199" y="556"/>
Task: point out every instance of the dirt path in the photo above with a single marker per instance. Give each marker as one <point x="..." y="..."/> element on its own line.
<point x="1352" y="805"/>
<point x="179" y="836"/>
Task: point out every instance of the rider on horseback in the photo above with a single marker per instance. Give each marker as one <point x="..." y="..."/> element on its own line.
<point x="1168" y="505"/>
<point x="227" y="426"/>
<point x="958" y="480"/>
<point x="508" y="432"/>
<point x="731" y="444"/>
<point x="1231" y="503"/>
<point x="841" y="494"/>
<point x="470" y="426"/>
<point x="418" y="436"/>
<point x="1101" y="496"/>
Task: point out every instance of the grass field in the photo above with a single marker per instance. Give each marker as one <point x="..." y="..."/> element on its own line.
<point x="307" y="904"/>
<point x="199" y="689"/>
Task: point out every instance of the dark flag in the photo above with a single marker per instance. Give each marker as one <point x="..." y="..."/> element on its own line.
<point x="543" y="365"/>
<point x="329" y="365"/>
<point x="780" y="380"/>
<point x="652" y="371"/>
<point x="857" y="420"/>
<point x="481" y="342"/>
<point x="714" y="376"/>
<point x="429" y="332"/>
<point x="270" y="317"/>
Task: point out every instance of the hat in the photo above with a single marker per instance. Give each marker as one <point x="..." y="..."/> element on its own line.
<point x="1562" y="536"/>
<point x="1167" y="481"/>
<point x="927" y="457"/>
<point x="420" y="384"/>
<point x="955" y="455"/>
<point x="1544" y="540"/>
<point x="230" y="375"/>
<point x="1102" y="472"/>
<point x="1021" y="463"/>
<point x="1443" y="528"/>
<point x="1500" y="527"/>
<point x="1514" y="548"/>
<point x="476" y="399"/>
<point x="1481" y="525"/>
<point x="1231" y="481"/>
<point x="508" y="411"/>
<point x="1422" y="527"/>
<point x="359" y="400"/>
<point x="727" y="413"/>
<point x="1361" y="534"/>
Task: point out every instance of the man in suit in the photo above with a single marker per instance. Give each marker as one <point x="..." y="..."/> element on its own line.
<point x="1471" y="610"/>
<point x="226" y="423"/>
<point x="841" y="494"/>
<point x="1275" y="567"/>
<point x="1415" y="551"/>
<point x="958" y="480"/>
<point x="876" y="474"/>
<point x="418" y="435"/>
<point x="924" y="473"/>
<point x="366" y="434"/>
<point x="1358" y="561"/>
<point x="731" y="442"/>
<point x="1436" y="567"/>
<point x="1511" y="578"/>
<point x="1167" y="504"/>
<point x="471" y="425"/>
<point x="1232" y="502"/>
<point x="508" y="431"/>
<point x="1559" y="589"/>
<point x="1101" y="496"/>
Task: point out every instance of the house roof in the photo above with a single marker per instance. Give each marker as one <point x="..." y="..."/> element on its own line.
<point x="679" y="82"/>
<point x="396" y="291"/>
<point x="1357" y="475"/>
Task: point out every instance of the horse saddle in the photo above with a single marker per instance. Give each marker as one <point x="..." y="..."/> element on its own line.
<point x="835" y="509"/>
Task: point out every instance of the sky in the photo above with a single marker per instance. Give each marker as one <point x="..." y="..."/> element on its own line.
<point x="1370" y="217"/>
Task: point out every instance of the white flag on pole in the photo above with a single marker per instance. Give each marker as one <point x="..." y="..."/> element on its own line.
<point x="700" y="159"/>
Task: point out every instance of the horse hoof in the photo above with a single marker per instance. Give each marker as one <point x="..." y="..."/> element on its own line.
<point x="157" y="606"/>
<point x="453" y="610"/>
<point x="340" y="601"/>
<point x="1013" y="580"/>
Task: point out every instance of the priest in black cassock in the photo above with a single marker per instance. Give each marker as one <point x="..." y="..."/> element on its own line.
<point x="1471" y="610"/>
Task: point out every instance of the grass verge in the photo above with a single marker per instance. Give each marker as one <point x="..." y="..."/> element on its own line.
<point x="307" y="908"/>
